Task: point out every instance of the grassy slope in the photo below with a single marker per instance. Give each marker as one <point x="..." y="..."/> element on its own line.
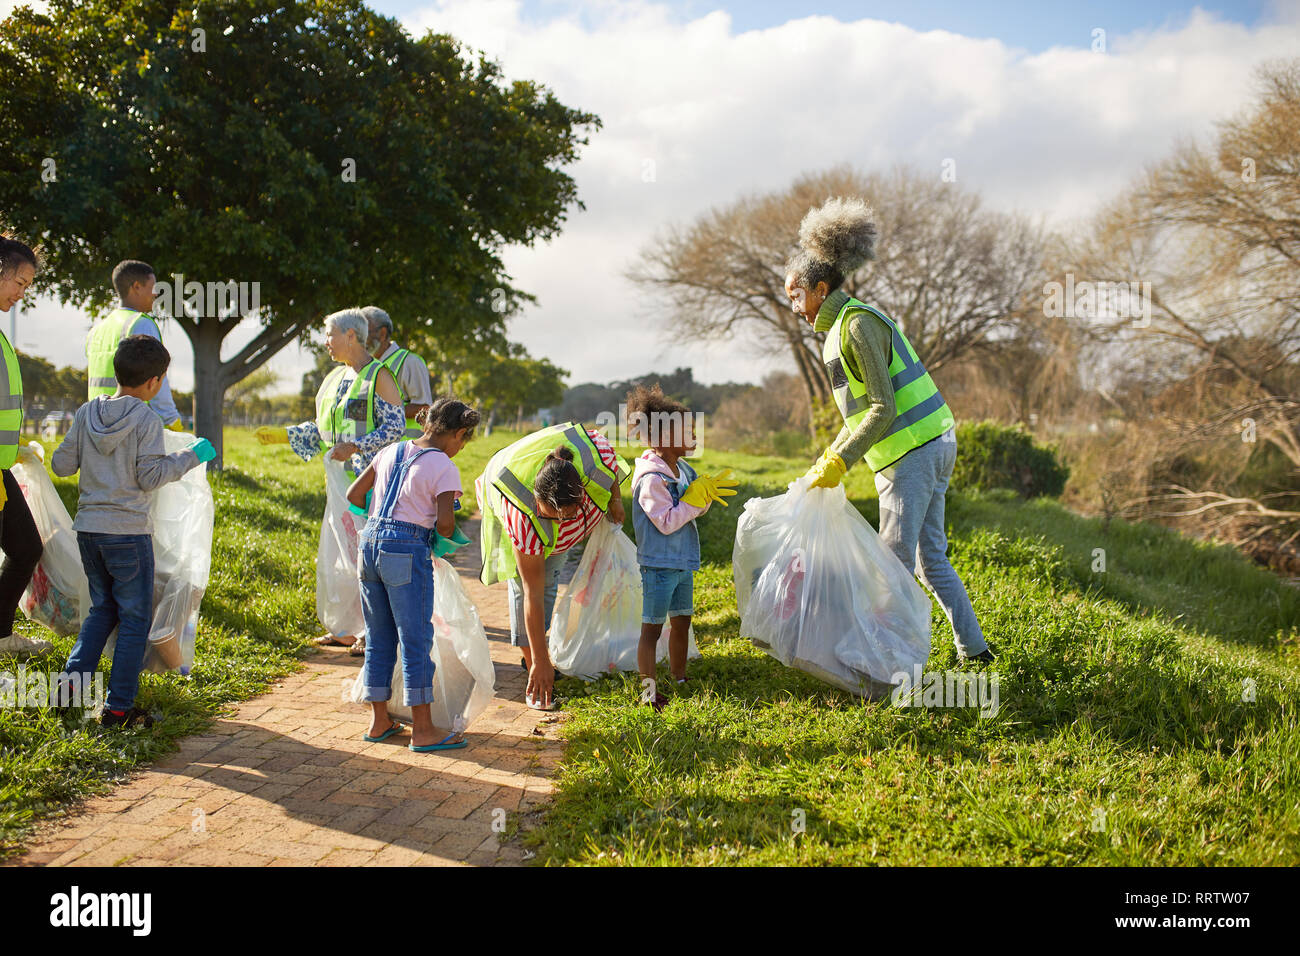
<point x="1121" y="701"/>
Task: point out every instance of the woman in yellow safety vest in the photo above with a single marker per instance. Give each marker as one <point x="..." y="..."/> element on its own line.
<point x="358" y="411"/>
<point x="541" y="496"/>
<point x="895" y="419"/>
<point x="19" y="539"/>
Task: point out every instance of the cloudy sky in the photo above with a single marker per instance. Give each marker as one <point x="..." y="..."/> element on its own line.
<point x="715" y="100"/>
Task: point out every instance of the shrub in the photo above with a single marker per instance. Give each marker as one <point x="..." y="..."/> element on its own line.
<point x="990" y="455"/>
<point x="826" y="421"/>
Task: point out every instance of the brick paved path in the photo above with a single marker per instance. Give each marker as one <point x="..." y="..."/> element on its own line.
<point x="288" y="781"/>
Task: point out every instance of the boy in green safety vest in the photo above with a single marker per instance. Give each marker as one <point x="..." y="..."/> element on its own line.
<point x="895" y="419"/>
<point x="408" y="368"/>
<point x="134" y="282"/>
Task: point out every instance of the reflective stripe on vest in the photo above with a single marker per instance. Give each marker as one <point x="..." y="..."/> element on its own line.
<point x="509" y="476"/>
<point x="101" y="346"/>
<point x="921" y="412"/>
<point x="11" y="404"/>
<point x="394" y="363"/>
<point x="332" y="419"/>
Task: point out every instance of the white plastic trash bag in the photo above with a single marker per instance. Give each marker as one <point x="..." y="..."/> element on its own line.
<point x="596" y="625"/>
<point x="820" y="592"/>
<point x="758" y="538"/>
<point x="58" y="591"/>
<point x="182" y="514"/>
<point x="464" y="679"/>
<point x="338" y="588"/>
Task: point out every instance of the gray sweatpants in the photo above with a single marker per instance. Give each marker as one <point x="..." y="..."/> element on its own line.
<point x="912" y="493"/>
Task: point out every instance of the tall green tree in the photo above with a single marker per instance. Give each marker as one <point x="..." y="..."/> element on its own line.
<point x="507" y="382"/>
<point x="314" y="148"/>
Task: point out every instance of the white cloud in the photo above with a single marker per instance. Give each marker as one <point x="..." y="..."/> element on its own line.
<point x="719" y="114"/>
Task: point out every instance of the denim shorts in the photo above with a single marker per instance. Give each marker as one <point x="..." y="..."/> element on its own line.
<point x="666" y="592"/>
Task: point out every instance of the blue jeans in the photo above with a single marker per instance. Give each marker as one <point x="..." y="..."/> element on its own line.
<point x="912" y="493"/>
<point x="395" y="564"/>
<point x="119" y="568"/>
<point x="666" y="592"/>
<point x="555" y="565"/>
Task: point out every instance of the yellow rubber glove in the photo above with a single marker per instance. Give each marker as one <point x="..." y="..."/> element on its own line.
<point x="272" y="435"/>
<point x="721" y="486"/>
<point x="175" y="426"/>
<point x="4" y="496"/>
<point x="698" y="492"/>
<point x="828" y="471"/>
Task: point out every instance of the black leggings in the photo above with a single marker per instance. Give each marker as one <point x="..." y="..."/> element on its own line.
<point x="21" y="543"/>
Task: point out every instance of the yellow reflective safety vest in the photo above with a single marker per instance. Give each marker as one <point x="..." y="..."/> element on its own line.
<point x="11" y="404"/>
<point x="394" y="363"/>
<point x="344" y="415"/>
<point x="509" y="476"/>
<point x="101" y="346"/>
<point x="922" y="414"/>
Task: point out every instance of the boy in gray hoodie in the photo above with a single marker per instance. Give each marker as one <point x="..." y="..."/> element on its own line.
<point x="116" y="442"/>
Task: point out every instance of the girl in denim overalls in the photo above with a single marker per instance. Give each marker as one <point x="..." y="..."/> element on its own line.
<point x="417" y="485"/>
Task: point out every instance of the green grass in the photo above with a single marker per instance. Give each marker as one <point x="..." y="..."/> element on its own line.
<point x="1122" y="737"/>
<point x="1120" y="691"/>
<point x="257" y="622"/>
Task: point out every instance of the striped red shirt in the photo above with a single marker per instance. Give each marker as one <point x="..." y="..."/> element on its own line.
<point x="568" y="531"/>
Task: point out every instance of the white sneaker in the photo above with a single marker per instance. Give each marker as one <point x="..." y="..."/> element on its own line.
<point x="19" y="646"/>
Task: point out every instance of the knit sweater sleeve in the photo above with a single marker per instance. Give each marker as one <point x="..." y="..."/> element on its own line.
<point x="870" y="346"/>
<point x="656" y="501"/>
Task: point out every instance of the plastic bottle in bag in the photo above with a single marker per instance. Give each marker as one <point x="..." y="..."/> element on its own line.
<point x="182" y="513"/>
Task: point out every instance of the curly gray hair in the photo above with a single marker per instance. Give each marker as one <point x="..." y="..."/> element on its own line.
<point x="834" y="239"/>
<point x="345" y="319"/>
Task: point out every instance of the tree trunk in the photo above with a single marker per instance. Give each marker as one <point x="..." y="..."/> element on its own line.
<point x="212" y="377"/>
<point x="209" y="387"/>
<point x="816" y="386"/>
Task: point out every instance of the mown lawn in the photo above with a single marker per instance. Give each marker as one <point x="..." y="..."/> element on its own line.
<point x="1148" y="715"/>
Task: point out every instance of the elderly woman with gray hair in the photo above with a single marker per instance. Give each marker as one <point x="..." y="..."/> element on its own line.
<point x="894" y="417"/>
<point x="358" y="411"/>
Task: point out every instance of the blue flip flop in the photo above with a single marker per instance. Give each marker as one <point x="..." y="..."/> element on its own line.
<point x="440" y="745"/>
<point x="384" y="736"/>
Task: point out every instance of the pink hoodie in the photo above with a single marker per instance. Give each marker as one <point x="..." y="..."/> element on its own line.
<point x="656" y="500"/>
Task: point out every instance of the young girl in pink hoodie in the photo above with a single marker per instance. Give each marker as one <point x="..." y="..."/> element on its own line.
<point x="667" y="497"/>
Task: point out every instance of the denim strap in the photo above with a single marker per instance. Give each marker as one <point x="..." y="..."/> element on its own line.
<point x="396" y="475"/>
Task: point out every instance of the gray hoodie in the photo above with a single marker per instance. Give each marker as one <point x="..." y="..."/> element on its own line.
<point x="117" y="445"/>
